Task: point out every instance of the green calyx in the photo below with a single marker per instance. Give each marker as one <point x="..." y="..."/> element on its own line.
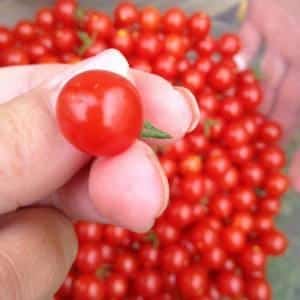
<point x="149" y="131"/>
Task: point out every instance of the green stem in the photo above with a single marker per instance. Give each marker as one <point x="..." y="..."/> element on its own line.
<point x="149" y="131"/>
<point x="86" y="42"/>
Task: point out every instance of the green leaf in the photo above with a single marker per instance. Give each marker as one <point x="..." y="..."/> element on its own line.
<point x="149" y="131"/>
<point x="86" y="42"/>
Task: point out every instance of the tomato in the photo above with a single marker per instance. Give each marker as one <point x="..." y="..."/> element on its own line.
<point x="70" y="58"/>
<point x="253" y="259"/>
<point x="140" y="64"/>
<point x="198" y="142"/>
<point x="273" y="242"/>
<point x="193" y="188"/>
<point x="230" y="284"/>
<point x="214" y="258"/>
<point x="179" y="213"/>
<point x="35" y="51"/>
<point x="88" y="287"/>
<point x="252" y="174"/>
<point x="204" y="237"/>
<point x="231" y="108"/>
<point x="122" y="40"/>
<point x="150" y="19"/>
<point x="97" y="47"/>
<point x="46" y="39"/>
<point x="263" y="222"/>
<point x="6" y="37"/>
<point x="65" y="39"/>
<point x="235" y="134"/>
<point x="174" y="258"/>
<point x="234" y="239"/>
<point x="241" y="154"/>
<point x="165" y="66"/>
<point x="229" y="44"/>
<point x="126" y="264"/>
<point x="98" y="23"/>
<point x="48" y="59"/>
<point x="14" y="57"/>
<point x="45" y="18"/>
<point x="169" y="281"/>
<point x="88" y="231"/>
<point x="65" y="11"/>
<point x="65" y="291"/>
<point x="216" y="166"/>
<point x="88" y="258"/>
<point x="174" y="20"/>
<point x="193" y="282"/>
<point x="230" y="179"/>
<point x="148" y="46"/>
<point x="126" y="14"/>
<point x="270" y="205"/>
<point x="107" y="252"/>
<point x="258" y="289"/>
<point x="221" y="77"/>
<point x="166" y="232"/>
<point x="117" y="286"/>
<point x="149" y="256"/>
<point x="243" y="199"/>
<point x="221" y="206"/>
<point x="116" y="235"/>
<point x="199" y="25"/>
<point x="270" y="132"/>
<point x="272" y="158"/>
<point x="183" y="65"/>
<point x="194" y="80"/>
<point x="276" y="184"/>
<point x="191" y="165"/>
<point x="148" y="283"/>
<point x="208" y="101"/>
<point x="25" y="31"/>
<point x="174" y="45"/>
<point x="246" y="77"/>
<point x="205" y="47"/>
<point x="250" y="95"/>
<point x="113" y="113"/>
<point x="204" y="64"/>
<point x="243" y="221"/>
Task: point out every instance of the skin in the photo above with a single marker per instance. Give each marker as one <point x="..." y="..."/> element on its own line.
<point x="40" y="169"/>
<point x="276" y="23"/>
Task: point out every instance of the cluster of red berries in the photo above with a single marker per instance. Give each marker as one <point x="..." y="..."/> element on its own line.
<point x="226" y="177"/>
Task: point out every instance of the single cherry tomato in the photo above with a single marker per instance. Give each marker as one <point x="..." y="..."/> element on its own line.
<point x="126" y="263"/>
<point x="174" y="20"/>
<point x="126" y="14"/>
<point x="35" y="51"/>
<point x="65" y="39"/>
<point x="65" y="291"/>
<point x="229" y="44"/>
<point x="48" y="59"/>
<point x="140" y="64"/>
<point x="199" y="24"/>
<point x="231" y="108"/>
<point x="88" y="258"/>
<point x="25" y="31"/>
<point x="252" y="174"/>
<point x="221" y="206"/>
<point x="88" y="287"/>
<point x="235" y="134"/>
<point x="270" y="132"/>
<point x="243" y="221"/>
<point x="258" y="289"/>
<point x="112" y="117"/>
<point x="194" y="80"/>
<point x="191" y="165"/>
<point x="183" y="65"/>
<point x="150" y="18"/>
<point x="204" y="237"/>
<point x="192" y="187"/>
<point x="231" y="285"/>
<point x="251" y="95"/>
<point x="166" y="232"/>
<point x="234" y="239"/>
<point x="149" y="256"/>
<point x="88" y="231"/>
<point x="96" y="47"/>
<point x="169" y="166"/>
<point x="208" y="101"/>
<point x="6" y="37"/>
<point x="148" y="46"/>
<point x="148" y="283"/>
<point x="253" y="259"/>
<point x="217" y="165"/>
<point x="243" y="199"/>
<point x="46" y="39"/>
<point x="122" y="40"/>
<point x="174" y="45"/>
<point x="179" y="213"/>
<point x="246" y="77"/>
<point x="65" y="11"/>
<point x="165" y="66"/>
<point x="276" y="184"/>
<point x="117" y="286"/>
<point x="99" y="24"/>
<point x="273" y="242"/>
<point x="70" y="58"/>
<point x="272" y="158"/>
<point x="45" y="18"/>
<point x="270" y="205"/>
<point x="205" y="47"/>
<point x="221" y="77"/>
<point x="214" y="258"/>
<point x="204" y="64"/>
<point x="193" y="282"/>
<point x="263" y="222"/>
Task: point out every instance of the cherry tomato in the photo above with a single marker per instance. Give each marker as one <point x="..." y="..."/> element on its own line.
<point x="229" y="44"/>
<point x="165" y="66"/>
<point x="65" y="39"/>
<point x="65" y="11"/>
<point x="98" y="23"/>
<point x="214" y="258"/>
<point x="179" y="213"/>
<point x="221" y="77"/>
<point x="45" y="18"/>
<point x="126" y="14"/>
<point x="204" y="237"/>
<point x="204" y="64"/>
<point x="148" y="283"/>
<point x="194" y="80"/>
<point x="250" y="95"/>
<point x="6" y="37"/>
<point x="149" y="256"/>
<point x="101" y="95"/>
<point x="117" y="286"/>
<point x="88" y="231"/>
<point x="122" y="40"/>
<point x="199" y="24"/>
<point x="234" y="239"/>
<point x="150" y="19"/>
<point x="174" y="20"/>
<point x="231" y="285"/>
<point x="258" y="289"/>
<point x="206" y="47"/>
<point x="97" y="47"/>
<point x="65" y="291"/>
<point x="148" y="46"/>
<point x="14" y="57"/>
<point x="166" y="232"/>
<point x="174" y="258"/>
<point x="253" y="259"/>
<point x="221" y="206"/>
<point x="140" y="64"/>
<point x="276" y="184"/>
<point x="273" y="242"/>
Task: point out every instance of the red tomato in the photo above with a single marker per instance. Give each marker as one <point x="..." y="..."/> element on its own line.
<point x="126" y="14"/>
<point x="45" y="18"/>
<point x="6" y="37"/>
<point x="110" y="115"/>
<point x="25" y="31"/>
<point x="65" y="39"/>
<point x="229" y="44"/>
<point x="199" y="25"/>
<point x="65" y="11"/>
<point x="100" y="24"/>
<point x="150" y="19"/>
<point x="14" y="57"/>
<point x="174" y="20"/>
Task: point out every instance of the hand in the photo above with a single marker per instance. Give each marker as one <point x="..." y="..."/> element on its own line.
<point x="277" y="23"/>
<point x="40" y="169"/>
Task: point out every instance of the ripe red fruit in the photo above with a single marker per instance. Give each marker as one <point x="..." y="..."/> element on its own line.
<point x="194" y="80"/>
<point x="122" y="40"/>
<point x="192" y="187"/>
<point x="65" y="11"/>
<point x="65" y="291"/>
<point x="174" y="258"/>
<point x="174" y="45"/>
<point x="217" y="165"/>
<point x="204" y="237"/>
<point x="126" y="264"/>
<point x="174" y="20"/>
<point x="165" y="66"/>
<point x="88" y="287"/>
<point x="98" y="23"/>
<point x="149" y="256"/>
<point x="88" y="231"/>
<point x="243" y="199"/>
<point x="193" y="282"/>
<point x="148" y="46"/>
<point x="243" y="221"/>
<point x="106" y="98"/>
<point x="205" y="47"/>
<point x="214" y="258"/>
<point x="253" y="259"/>
<point x="221" y="206"/>
<point x="199" y="24"/>
<point x="148" y="283"/>
<point x="25" y="31"/>
<point x="166" y="233"/>
<point x="6" y="37"/>
<point x="221" y="77"/>
<point x="229" y="44"/>
<point x="88" y="258"/>
<point x="14" y="57"/>
<point x="45" y="18"/>
<point x="126" y="14"/>
<point x="234" y="239"/>
<point x="230" y="284"/>
<point x="150" y="18"/>
<point x="179" y="213"/>
<point x="65" y="39"/>
<point x="276" y="184"/>
<point x="231" y="108"/>
<point x="235" y="135"/>
<point x="270" y="132"/>
<point x="117" y="286"/>
<point x="273" y="242"/>
<point x="258" y="289"/>
<point x="191" y="165"/>
<point x="251" y="95"/>
<point x="272" y="158"/>
<point x="252" y="174"/>
<point x="116" y="235"/>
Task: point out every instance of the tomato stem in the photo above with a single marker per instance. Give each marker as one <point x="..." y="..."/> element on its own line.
<point x="208" y="124"/>
<point x="79" y="14"/>
<point x="86" y="41"/>
<point x="149" y="131"/>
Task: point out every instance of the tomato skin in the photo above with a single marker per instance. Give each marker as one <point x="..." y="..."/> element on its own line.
<point x="88" y="258"/>
<point x="150" y="18"/>
<point x="194" y="80"/>
<point x="122" y="40"/>
<point x="98" y="23"/>
<point x="25" y="31"/>
<point x="126" y="14"/>
<point x="148" y="283"/>
<point x="6" y="37"/>
<point x="65" y="39"/>
<point x="88" y="231"/>
<point x="253" y="259"/>
<point x="64" y="11"/>
<point x="97" y="47"/>
<point x="174" y="259"/>
<point x="174" y="20"/>
<point x="234" y="239"/>
<point x="14" y="57"/>
<point x="65" y="291"/>
<point x="221" y="77"/>
<point x="117" y="286"/>
<point x="274" y="242"/>
<point x="251" y="95"/>
<point x="258" y="289"/>
<point x="165" y="66"/>
<point x="45" y="18"/>
<point x="230" y="284"/>
<point x="88" y="287"/>
<point x="199" y="24"/>
<point x="87" y="131"/>
<point x="148" y="46"/>
<point x="149" y="256"/>
<point x="229" y="44"/>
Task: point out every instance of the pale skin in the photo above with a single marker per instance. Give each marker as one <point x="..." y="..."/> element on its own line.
<point x="40" y="169"/>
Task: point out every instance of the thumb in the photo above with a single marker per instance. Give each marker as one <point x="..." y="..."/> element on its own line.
<point x="34" y="157"/>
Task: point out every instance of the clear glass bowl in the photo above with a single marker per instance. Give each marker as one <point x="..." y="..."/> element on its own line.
<point x="283" y="272"/>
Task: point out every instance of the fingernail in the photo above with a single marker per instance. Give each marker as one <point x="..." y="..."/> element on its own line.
<point x="194" y="107"/>
<point x="164" y="182"/>
<point x="109" y="60"/>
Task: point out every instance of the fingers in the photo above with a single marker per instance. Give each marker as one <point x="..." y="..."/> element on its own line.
<point x="172" y="110"/>
<point x="39" y="242"/>
<point x="129" y="190"/>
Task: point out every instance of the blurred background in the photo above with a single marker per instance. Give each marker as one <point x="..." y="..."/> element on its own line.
<point x="284" y="272"/>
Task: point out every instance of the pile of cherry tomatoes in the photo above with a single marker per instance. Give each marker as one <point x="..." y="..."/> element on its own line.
<point x="226" y="178"/>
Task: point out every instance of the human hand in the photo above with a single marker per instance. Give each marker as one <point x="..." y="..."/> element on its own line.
<point x="277" y="23"/>
<point x="40" y="169"/>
